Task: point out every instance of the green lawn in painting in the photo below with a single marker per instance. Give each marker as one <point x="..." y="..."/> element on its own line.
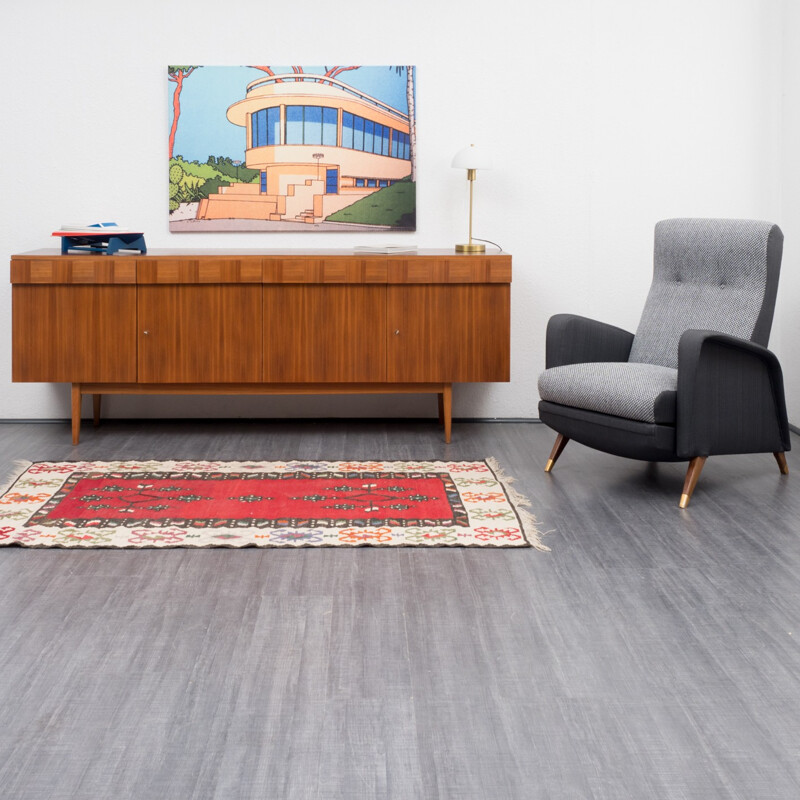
<point x="395" y="206"/>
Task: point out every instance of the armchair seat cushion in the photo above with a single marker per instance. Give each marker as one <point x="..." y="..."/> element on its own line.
<point x="642" y="392"/>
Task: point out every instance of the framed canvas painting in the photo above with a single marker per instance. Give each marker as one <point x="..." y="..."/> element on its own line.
<point x="261" y="148"/>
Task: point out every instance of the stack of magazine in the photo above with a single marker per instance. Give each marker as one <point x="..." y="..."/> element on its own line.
<point x="386" y="249"/>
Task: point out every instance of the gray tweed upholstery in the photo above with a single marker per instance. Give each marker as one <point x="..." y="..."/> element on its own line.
<point x="703" y="269"/>
<point x="622" y="389"/>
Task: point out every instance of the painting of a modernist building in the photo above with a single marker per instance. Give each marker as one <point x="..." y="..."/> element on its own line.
<point x="292" y="148"/>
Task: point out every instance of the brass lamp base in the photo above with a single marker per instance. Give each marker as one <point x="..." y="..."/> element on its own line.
<point x="470" y="248"/>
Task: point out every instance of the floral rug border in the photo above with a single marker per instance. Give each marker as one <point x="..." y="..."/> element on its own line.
<point x="498" y="516"/>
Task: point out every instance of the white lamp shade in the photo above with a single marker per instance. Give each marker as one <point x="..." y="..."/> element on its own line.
<point x="472" y="158"/>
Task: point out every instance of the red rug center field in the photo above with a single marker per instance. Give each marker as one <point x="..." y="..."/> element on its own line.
<point x="279" y="500"/>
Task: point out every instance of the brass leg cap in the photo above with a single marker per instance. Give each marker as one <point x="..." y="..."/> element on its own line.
<point x="684" y="500"/>
<point x="549" y="465"/>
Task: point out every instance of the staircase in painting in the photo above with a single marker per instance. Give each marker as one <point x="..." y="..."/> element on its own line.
<point x="305" y="201"/>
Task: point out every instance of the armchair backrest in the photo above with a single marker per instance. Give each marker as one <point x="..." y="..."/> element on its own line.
<point x="709" y="274"/>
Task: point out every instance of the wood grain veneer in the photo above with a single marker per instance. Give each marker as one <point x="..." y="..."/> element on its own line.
<point x="78" y="270"/>
<point x="469" y="269"/>
<point x="193" y="334"/>
<point x="324" y="333"/>
<point x="199" y="270"/>
<point x="456" y="333"/>
<point x="326" y="270"/>
<point x="73" y="333"/>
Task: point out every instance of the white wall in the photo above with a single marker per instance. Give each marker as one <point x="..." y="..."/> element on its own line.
<point x="604" y="116"/>
<point x="788" y="319"/>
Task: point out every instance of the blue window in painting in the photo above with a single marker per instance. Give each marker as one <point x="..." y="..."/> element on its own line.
<point x="266" y="126"/>
<point x="369" y="135"/>
<point x="358" y="133"/>
<point x="312" y="125"/>
<point x="254" y="130"/>
<point x="263" y="182"/>
<point x="273" y="126"/>
<point x="331" y="181"/>
<point x="359" y="182"/>
<point x="383" y="183"/>
<point x="294" y="125"/>
<point x="372" y="137"/>
<point x="347" y="129"/>
<point x="401" y="150"/>
<point x="330" y="122"/>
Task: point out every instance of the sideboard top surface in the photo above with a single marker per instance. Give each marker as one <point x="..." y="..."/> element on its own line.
<point x="267" y="253"/>
<point x="172" y="266"/>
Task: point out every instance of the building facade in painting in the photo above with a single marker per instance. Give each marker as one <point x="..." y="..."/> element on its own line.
<point x="319" y="145"/>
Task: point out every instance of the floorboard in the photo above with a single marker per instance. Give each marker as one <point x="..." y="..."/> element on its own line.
<point x="653" y="653"/>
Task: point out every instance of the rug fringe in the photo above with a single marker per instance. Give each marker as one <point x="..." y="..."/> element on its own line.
<point x="14" y="471"/>
<point x="522" y="504"/>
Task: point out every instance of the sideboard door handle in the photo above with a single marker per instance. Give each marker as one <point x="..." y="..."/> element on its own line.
<point x="397" y="333"/>
<point x="146" y="333"/>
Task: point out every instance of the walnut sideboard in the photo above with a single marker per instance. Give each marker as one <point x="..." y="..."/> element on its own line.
<point x="260" y="322"/>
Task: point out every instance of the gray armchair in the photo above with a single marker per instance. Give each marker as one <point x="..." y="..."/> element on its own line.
<point x="696" y="379"/>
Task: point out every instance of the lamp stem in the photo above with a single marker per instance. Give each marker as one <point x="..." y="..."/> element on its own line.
<point x="470" y="248"/>
<point x="471" y="179"/>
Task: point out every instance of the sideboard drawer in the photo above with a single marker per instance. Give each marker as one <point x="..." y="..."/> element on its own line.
<point x="469" y="269"/>
<point x="187" y="270"/>
<point x="73" y="270"/>
<point x="325" y="270"/>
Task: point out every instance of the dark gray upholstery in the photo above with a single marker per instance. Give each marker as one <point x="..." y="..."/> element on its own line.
<point x="616" y="435"/>
<point x="573" y="340"/>
<point x="696" y="379"/>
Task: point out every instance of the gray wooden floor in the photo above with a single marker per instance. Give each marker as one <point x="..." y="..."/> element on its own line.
<point x="653" y="653"/>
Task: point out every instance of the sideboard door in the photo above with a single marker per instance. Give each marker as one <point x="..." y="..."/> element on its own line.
<point x="200" y="334"/>
<point x="324" y="333"/>
<point x="74" y="334"/>
<point x="448" y="333"/>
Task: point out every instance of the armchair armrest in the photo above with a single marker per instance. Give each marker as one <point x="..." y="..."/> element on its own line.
<point x="730" y="397"/>
<point x="577" y="340"/>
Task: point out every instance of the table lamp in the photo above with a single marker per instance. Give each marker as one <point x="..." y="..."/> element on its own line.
<point x="471" y="159"/>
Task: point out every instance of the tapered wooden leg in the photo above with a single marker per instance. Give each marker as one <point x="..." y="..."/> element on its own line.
<point x="441" y="408"/>
<point x="76" y="412"/>
<point x="781" y="459"/>
<point x="446" y="410"/>
<point x="692" y="474"/>
<point x="96" y="398"/>
<point x="558" y="448"/>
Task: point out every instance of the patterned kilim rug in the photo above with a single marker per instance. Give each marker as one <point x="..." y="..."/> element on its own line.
<point x="131" y="504"/>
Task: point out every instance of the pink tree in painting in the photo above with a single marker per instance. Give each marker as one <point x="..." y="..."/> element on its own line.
<point x="331" y="72"/>
<point x="177" y="75"/>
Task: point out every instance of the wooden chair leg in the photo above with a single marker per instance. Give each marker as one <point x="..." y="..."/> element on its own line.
<point x="692" y="474"/>
<point x="781" y="459"/>
<point x="558" y="449"/>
